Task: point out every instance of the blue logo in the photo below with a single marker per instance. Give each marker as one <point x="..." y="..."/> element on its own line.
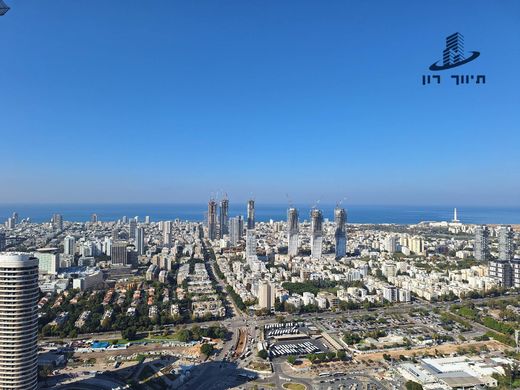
<point x="453" y="55"/>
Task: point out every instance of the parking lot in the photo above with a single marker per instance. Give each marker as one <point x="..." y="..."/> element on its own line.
<point x="288" y="328"/>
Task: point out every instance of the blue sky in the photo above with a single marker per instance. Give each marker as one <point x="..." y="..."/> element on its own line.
<point x="170" y="101"/>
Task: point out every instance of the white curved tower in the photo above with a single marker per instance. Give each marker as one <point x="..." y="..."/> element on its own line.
<point x="18" y="321"/>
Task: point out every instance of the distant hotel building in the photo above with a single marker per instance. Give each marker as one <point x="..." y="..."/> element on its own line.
<point x="19" y="319"/>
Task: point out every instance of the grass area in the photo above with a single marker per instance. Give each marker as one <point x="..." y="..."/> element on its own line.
<point x="294" y="386"/>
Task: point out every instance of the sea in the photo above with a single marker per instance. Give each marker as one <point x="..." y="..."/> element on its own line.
<point x="375" y="214"/>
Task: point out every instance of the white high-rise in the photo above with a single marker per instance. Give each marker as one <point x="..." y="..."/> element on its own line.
<point x="316" y="233"/>
<point x="18" y="321"/>
<point x="292" y="232"/>
<point x="139" y="240"/>
<point x="69" y="245"/>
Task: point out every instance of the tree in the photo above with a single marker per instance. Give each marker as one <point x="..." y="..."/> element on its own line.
<point x="262" y="354"/>
<point x="341" y="355"/>
<point x="129" y="333"/>
<point x="291" y="359"/>
<point x="207" y="349"/>
<point x="411" y="385"/>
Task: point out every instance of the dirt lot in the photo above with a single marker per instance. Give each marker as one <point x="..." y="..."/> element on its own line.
<point x="445" y="349"/>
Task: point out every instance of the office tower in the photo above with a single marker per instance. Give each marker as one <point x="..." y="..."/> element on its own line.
<point x="15" y="217"/>
<point x="340" y="234"/>
<point x="124" y="219"/>
<point x="2" y="241"/>
<point x="316" y="233"/>
<point x="93" y="218"/>
<point x="236" y="227"/>
<point x="454" y="51"/>
<point x="250" y="214"/>
<point x="69" y="245"/>
<point x="10" y="223"/>
<point x="147" y="219"/>
<point x="250" y="245"/>
<point x="391" y="243"/>
<point x="224" y="217"/>
<point x="139" y="242"/>
<point x="266" y="295"/>
<point x="19" y="319"/>
<point x="505" y="243"/>
<point x="118" y="253"/>
<point x="481" y="247"/>
<point x="132" y="227"/>
<point x="48" y="261"/>
<point x="212" y="220"/>
<point x="292" y="232"/>
<point x="57" y="222"/>
<point x="200" y="230"/>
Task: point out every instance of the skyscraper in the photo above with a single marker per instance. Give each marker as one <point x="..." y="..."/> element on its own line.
<point x="2" y="241"/>
<point x="316" y="233"/>
<point x="69" y="245"/>
<point x="250" y="245"/>
<point x="19" y="319"/>
<point x="132" y="227"/>
<point x="224" y="217"/>
<point x="250" y="214"/>
<point x="340" y="233"/>
<point x="93" y="218"/>
<point x="118" y="253"/>
<point x="139" y="241"/>
<point x="57" y="222"/>
<point x="236" y="227"/>
<point x="147" y="219"/>
<point x="212" y="220"/>
<point x="481" y="247"/>
<point x="15" y="217"/>
<point x="292" y="232"/>
<point x="506" y="249"/>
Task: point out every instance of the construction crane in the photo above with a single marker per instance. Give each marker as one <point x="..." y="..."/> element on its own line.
<point x="3" y="8"/>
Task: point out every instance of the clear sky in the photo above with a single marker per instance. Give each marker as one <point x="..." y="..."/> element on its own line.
<point x="170" y="101"/>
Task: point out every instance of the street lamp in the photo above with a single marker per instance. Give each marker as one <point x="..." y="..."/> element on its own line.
<point x="3" y="8"/>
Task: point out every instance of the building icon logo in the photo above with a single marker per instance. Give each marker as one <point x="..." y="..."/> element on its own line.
<point x="453" y="54"/>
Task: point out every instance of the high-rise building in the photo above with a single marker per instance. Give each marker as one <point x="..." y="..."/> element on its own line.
<point x="10" y="223"/>
<point x="502" y="271"/>
<point x="147" y="220"/>
<point x="124" y="219"/>
<point x="250" y="245"/>
<point x="118" y="253"/>
<point x="15" y="217"/>
<point x="132" y="227"/>
<point x="212" y="220"/>
<point x="292" y="232"/>
<point x="340" y="233"/>
<point x="506" y="248"/>
<point x="19" y="321"/>
<point x="48" y="260"/>
<point x="316" y="233"/>
<point x="236" y="227"/>
<point x="481" y="247"/>
<point x="69" y="245"/>
<point x="93" y="218"/>
<point x="139" y="241"/>
<point x="391" y="243"/>
<point x="223" y="218"/>
<point x="266" y="295"/>
<point x="250" y="214"/>
<point x="2" y="241"/>
<point x="57" y="222"/>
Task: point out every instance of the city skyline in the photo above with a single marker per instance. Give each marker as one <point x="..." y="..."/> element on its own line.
<point x="268" y="84"/>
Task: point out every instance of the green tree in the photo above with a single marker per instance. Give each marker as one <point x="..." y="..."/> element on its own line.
<point x="262" y="354"/>
<point x="207" y="349"/>
<point x="411" y="385"/>
<point x="291" y="359"/>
